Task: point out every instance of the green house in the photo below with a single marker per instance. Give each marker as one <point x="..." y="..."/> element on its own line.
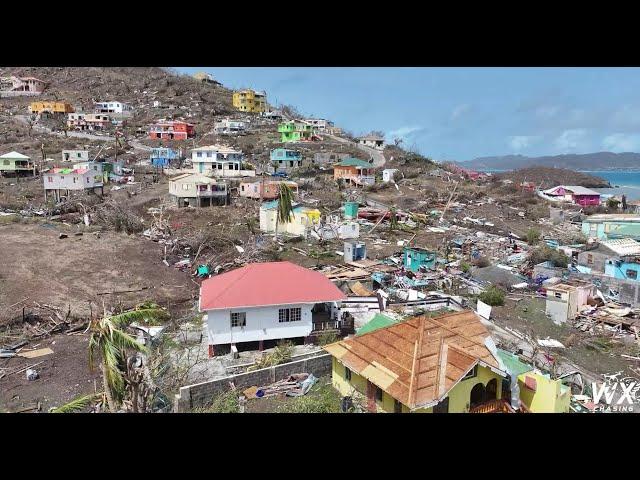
<point x="295" y="131"/>
<point x="15" y="162"/>
<point x="416" y="257"/>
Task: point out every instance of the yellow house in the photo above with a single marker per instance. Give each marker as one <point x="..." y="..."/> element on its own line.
<point x="540" y="394"/>
<point x="302" y="221"/>
<point x="51" y="107"/>
<point x="445" y="364"/>
<point x="250" y="101"/>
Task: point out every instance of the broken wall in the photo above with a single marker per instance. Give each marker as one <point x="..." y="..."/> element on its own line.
<point x="201" y="394"/>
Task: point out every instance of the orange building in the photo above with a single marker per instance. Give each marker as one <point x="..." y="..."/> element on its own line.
<point x="354" y="170"/>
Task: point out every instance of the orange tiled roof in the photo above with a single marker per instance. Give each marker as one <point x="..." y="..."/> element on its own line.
<point x="419" y="360"/>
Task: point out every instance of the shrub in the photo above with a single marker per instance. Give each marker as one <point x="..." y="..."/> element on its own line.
<point x="465" y="267"/>
<point x="325" y="338"/>
<point x="482" y="262"/>
<point x="533" y="236"/>
<point x="224" y="403"/>
<point x="492" y="296"/>
<point x="281" y="354"/>
<point x="545" y="253"/>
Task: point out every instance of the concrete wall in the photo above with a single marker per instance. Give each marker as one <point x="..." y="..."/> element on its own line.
<point x="628" y="291"/>
<point x="262" y="324"/>
<point x="201" y="394"/>
<point x="597" y="259"/>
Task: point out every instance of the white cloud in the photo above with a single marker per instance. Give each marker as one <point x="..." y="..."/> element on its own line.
<point x="520" y="142"/>
<point x="403" y="132"/>
<point x="621" y="142"/>
<point x="460" y="110"/>
<point x="571" y="139"/>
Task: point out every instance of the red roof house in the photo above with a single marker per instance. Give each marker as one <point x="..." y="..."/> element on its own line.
<point x="265" y="301"/>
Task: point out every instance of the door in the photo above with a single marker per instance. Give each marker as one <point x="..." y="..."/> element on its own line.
<point x="371" y="398"/>
<point x="491" y="392"/>
<point x="477" y="395"/>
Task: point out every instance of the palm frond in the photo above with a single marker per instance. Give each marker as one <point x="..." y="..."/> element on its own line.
<point x="285" y="203"/>
<point x="140" y="315"/>
<point x="125" y="341"/>
<point x="77" y="404"/>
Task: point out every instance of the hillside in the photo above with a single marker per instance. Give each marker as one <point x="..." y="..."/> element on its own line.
<point x="588" y="161"/>
<point x="549" y="177"/>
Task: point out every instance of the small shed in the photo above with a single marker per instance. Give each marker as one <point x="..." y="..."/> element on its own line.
<point x="354" y="251"/>
<point x="416" y="257"/>
<point x="388" y="173"/>
<point x="351" y="210"/>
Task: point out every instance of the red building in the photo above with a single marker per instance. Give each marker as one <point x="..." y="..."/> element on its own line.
<point x="172" y="130"/>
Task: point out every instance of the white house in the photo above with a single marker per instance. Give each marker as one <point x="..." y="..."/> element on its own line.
<point x="220" y="160"/>
<point x="320" y="124"/>
<point x="226" y="126"/>
<point x="75" y="155"/>
<point x="197" y="190"/>
<point x="267" y="301"/>
<point x="61" y="182"/>
<point x="372" y="142"/>
<point x="119" y="108"/>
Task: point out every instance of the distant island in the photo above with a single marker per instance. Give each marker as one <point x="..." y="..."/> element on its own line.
<point x="545" y="177"/>
<point x="605" y="161"/>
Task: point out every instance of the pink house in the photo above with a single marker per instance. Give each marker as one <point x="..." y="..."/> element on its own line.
<point x="574" y="193"/>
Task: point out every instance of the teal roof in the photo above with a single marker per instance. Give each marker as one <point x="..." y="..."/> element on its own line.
<point x="378" y="321"/>
<point x="355" y="162"/>
<point x="274" y="204"/>
<point x="513" y="364"/>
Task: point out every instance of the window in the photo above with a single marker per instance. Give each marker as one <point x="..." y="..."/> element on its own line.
<point x="50" y="179"/>
<point x="378" y="394"/>
<point x="397" y="406"/>
<point x="558" y="295"/>
<point x="199" y="154"/>
<point x="631" y="274"/>
<point x="185" y="186"/>
<point x="472" y="373"/>
<point x="347" y="374"/>
<point x="289" y="315"/>
<point x="589" y="258"/>
<point x="238" y="319"/>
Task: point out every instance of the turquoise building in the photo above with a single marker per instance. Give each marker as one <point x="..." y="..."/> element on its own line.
<point x="612" y="226"/>
<point x="416" y="257"/>
<point x="284" y="159"/>
<point x="622" y="269"/>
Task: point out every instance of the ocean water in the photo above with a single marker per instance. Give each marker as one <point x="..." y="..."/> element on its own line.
<point x="623" y="182"/>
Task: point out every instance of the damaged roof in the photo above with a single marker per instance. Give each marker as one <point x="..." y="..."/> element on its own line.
<point x="419" y="360"/>
<point x="263" y="284"/>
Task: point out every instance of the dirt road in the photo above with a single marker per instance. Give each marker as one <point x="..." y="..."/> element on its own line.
<point x="377" y="155"/>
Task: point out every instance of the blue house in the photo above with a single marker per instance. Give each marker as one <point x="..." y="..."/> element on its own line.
<point x="624" y="269"/>
<point x="416" y="257"/>
<point x="284" y="159"/>
<point x="612" y="226"/>
<point x="161" y="157"/>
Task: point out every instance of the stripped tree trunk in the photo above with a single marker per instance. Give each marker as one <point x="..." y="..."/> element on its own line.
<point x="107" y="391"/>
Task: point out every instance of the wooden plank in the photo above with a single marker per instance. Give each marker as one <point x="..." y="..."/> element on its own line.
<point x="35" y="353"/>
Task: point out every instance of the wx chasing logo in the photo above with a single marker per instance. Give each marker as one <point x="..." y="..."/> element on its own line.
<point x="619" y="395"/>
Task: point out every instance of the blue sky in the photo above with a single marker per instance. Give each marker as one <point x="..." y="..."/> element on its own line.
<point x="463" y="113"/>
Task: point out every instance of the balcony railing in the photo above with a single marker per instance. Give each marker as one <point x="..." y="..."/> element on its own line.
<point x="493" y="406"/>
